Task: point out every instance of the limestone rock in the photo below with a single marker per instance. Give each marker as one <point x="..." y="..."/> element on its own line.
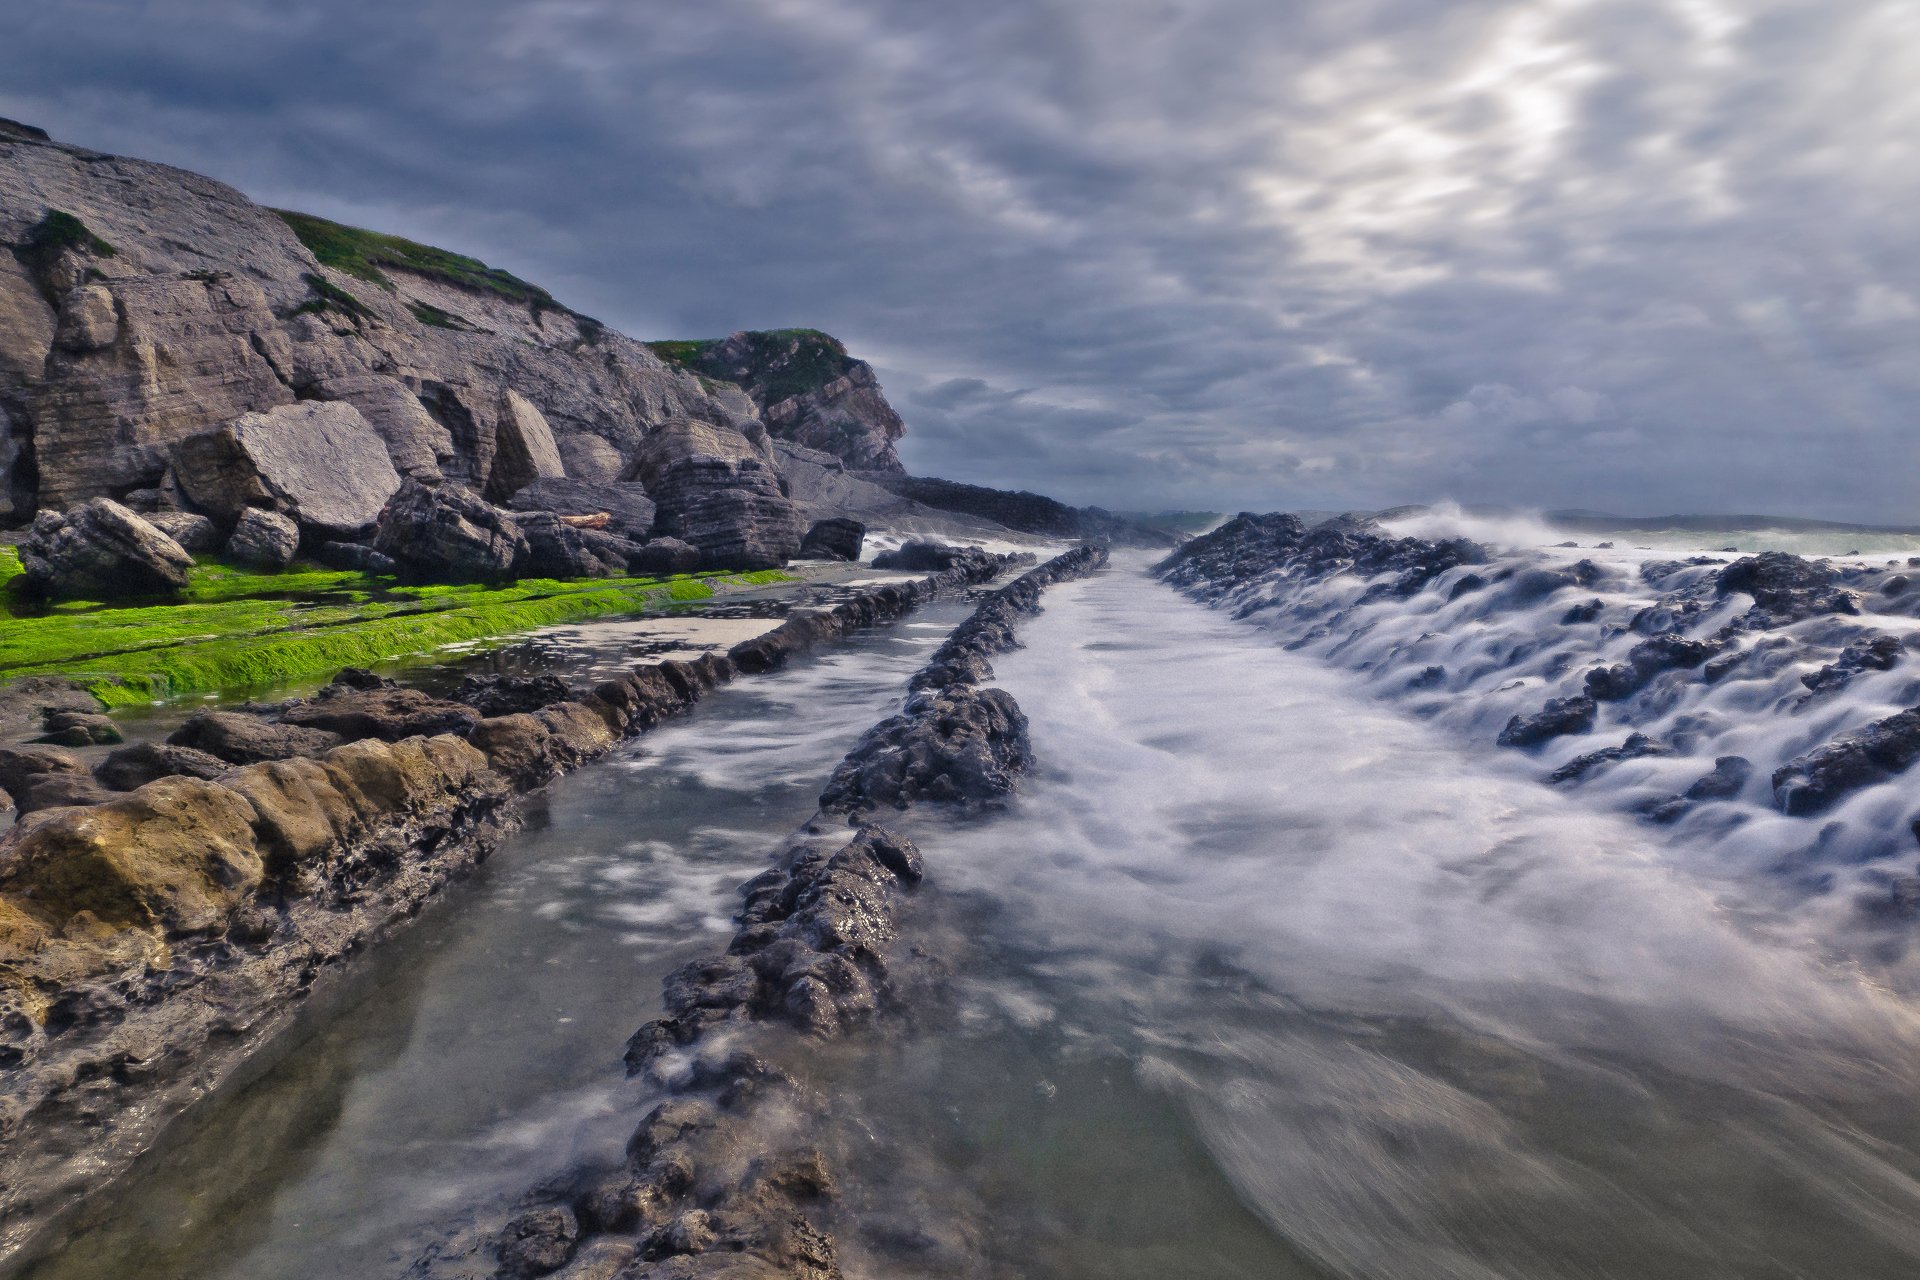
<point x="716" y="490"/>
<point x="321" y="464"/>
<point x="447" y="534"/>
<point x="524" y="449"/>
<point x="263" y="539"/>
<point x="101" y="549"/>
<point x="629" y="510"/>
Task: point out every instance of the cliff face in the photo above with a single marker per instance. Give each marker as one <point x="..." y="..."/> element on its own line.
<point x="808" y="389"/>
<point x="142" y="304"/>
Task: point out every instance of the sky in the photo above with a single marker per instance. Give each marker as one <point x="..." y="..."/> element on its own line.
<point x="1639" y="256"/>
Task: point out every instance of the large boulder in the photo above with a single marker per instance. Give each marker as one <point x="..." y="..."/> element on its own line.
<point x="628" y="509"/>
<point x="664" y="557"/>
<point x="930" y="557"/>
<point x="320" y="463"/>
<point x="524" y="449"/>
<point x="448" y="534"/>
<point x="101" y="549"/>
<point x="194" y="533"/>
<point x="717" y="490"/>
<point x="835" y="538"/>
<point x="263" y="539"/>
<point x="556" y="549"/>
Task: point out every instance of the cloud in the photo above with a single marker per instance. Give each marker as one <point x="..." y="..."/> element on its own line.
<point x="1646" y="255"/>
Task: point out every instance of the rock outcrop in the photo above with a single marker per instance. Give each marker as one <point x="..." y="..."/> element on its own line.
<point x="448" y="534"/>
<point x="321" y="465"/>
<point x="101" y="550"/>
<point x="263" y="540"/>
<point x="836" y="538"/>
<point x="629" y="511"/>
<point x="720" y="492"/>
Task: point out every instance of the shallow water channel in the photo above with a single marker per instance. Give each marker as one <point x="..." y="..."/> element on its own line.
<point x="481" y="1050"/>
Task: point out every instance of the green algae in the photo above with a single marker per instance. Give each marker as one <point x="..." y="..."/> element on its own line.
<point x="235" y="629"/>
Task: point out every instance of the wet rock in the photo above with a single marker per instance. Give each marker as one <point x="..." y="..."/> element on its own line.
<point x="447" y="534"/>
<point x="322" y="465"/>
<point x="836" y="538"/>
<point x="1786" y="588"/>
<point x="388" y="714"/>
<point x="954" y="745"/>
<point x="1637" y="746"/>
<point x="1560" y="716"/>
<point x="195" y="534"/>
<point x="1583" y="613"/>
<point x="240" y="738"/>
<point x="1727" y="781"/>
<point x="80" y="729"/>
<point x="100" y="550"/>
<point x="629" y="511"/>
<point x="715" y="490"/>
<point x="1668" y="652"/>
<point x="58" y="791"/>
<point x="538" y="1242"/>
<point x="1823" y="777"/>
<point x="20" y="766"/>
<point x="27" y="702"/>
<point x="263" y="540"/>
<point x="176" y="856"/>
<point x="1875" y="653"/>
<point x="132" y="767"/>
<point x="501" y="695"/>
<point x="927" y="557"/>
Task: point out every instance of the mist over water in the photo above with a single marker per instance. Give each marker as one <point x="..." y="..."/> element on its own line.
<point x="1425" y="1015"/>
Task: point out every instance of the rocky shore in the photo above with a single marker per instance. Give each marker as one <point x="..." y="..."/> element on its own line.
<point x="153" y="941"/>
<point x="725" y="1176"/>
<point x="1709" y="693"/>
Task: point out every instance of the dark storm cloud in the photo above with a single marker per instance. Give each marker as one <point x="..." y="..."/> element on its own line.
<point x="1640" y="254"/>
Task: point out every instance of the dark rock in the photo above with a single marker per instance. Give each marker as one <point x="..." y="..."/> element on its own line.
<point x="1560" y="716"/>
<point x="1583" y="612"/>
<point x="357" y="678"/>
<point x="57" y="791"/>
<point x="493" y="695"/>
<point x="100" y="550"/>
<point x="1786" y="588"/>
<point x="320" y="464"/>
<point x="538" y="1242"/>
<point x="1728" y="779"/>
<point x="716" y="490"/>
<point x="388" y="714"/>
<point x="239" y="738"/>
<point x="1875" y="653"/>
<point x="664" y="557"/>
<point x="955" y="745"/>
<point x="1429" y="678"/>
<point x="1667" y="652"/>
<point x="1828" y="774"/>
<point x="1467" y="584"/>
<point x="135" y="766"/>
<point x="195" y="534"/>
<point x="836" y="538"/>
<point x="356" y="556"/>
<point x="928" y="557"/>
<point x="1636" y="746"/>
<point x="629" y="511"/>
<point x="556" y="549"/>
<point x="20" y="767"/>
<point x="446" y="534"/>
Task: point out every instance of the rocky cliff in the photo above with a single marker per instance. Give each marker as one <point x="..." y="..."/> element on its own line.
<point x="808" y="389"/>
<point x="142" y="306"/>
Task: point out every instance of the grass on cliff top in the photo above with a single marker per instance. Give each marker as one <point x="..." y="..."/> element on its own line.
<point x="363" y="253"/>
<point x="235" y="629"/>
<point x="781" y="363"/>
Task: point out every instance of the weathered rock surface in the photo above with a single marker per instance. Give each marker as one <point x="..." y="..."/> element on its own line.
<point x="132" y="767"/>
<point x="524" y="448"/>
<point x="80" y="729"/>
<point x="836" y="538"/>
<point x="927" y="557"/>
<point x="320" y="464"/>
<point x="664" y="557"/>
<point x="556" y="549"/>
<point x="1019" y="510"/>
<point x="388" y="714"/>
<point x="1826" y="775"/>
<point x="1560" y="716"/>
<point x="447" y="534"/>
<point x="1786" y="588"/>
<point x="101" y="550"/>
<point x="956" y="745"/>
<point x="195" y="533"/>
<point x="241" y="738"/>
<point x="263" y="540"/>
<point x="26" y="704"/>
<point x="492" y="695"/>
<point x="720" y="492"/>
<point x="629" y="510"/>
